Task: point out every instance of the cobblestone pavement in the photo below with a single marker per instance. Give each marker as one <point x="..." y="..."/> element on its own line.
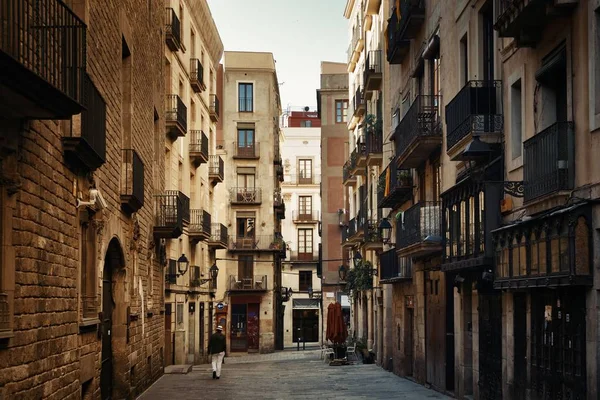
<point x="303" y="378"/>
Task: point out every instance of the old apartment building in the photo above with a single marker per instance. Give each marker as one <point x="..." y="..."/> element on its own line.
<point x="332" y="107"/>
<point x="189" y="217"/>
<point x="300" y="154"/>
<point x="83" y="120"/>
<point x="251" y="311"/>
<point x="487" y="205"/>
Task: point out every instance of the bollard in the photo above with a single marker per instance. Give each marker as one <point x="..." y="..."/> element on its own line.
<point x="304" y="344"/>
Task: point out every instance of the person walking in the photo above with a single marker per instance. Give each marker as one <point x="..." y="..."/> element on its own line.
<point x="216" y="348"/>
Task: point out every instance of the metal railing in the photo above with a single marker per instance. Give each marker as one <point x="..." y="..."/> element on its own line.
<point x="195" y="275"/>
<point x="296" y="255"/>
<point x="306" y="215"/>
<point x="372" y="67"/>
<point x="408" y="8"/>
<point x="171" y="209"/>
<point x="476" y="109"/>
<point x="176" y="111"/>
<point x="247" y="150"/>
<point x="132" y="184"/>
<point x="394" y="267"/>
<point x="198" y="142"/>
<point x="358" y="100"/>
<point x="216" y="166"/>
<point x="200" y="222"/>
<point x="421" y="222"/>
<point x="302" y="179"/>
<point x="196" y="72"/>
<point x="421" y="120"/>
<point x="218" y="233"/>
<point x="4" y="312"/>
<point x="352" y="227"/>
<point x="256" y="242"/>
<point x="251" y="283"/>
<point x="549" y="163"/>
<point x="48" y="39"/>
<point x="349" y="165"/>
<point x="172" y="26"/>
<point x="374" y="141"/>
<point x="371" y="231"/>
<point x="246" y="195"/>
<point x="389" y="194"/>
<point x="171" y="275"/>
<point x="213" y="107"/>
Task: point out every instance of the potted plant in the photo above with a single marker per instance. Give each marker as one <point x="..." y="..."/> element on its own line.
<point x="405" y="177"/>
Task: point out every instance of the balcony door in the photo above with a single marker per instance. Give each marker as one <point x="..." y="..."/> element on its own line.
<point x="245" y="267"/>
<point x="305" y="208"/>
<point x="246" y="180"/>
<point x="245" y="143"/>
<point x="304" y="171"/>
<point x="245" y="230"/>
<point x="305" y="244"/>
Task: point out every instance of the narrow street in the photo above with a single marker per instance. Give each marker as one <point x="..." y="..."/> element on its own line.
<point x="303" y="378"/>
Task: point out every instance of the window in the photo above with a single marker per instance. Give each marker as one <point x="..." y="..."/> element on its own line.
<point x="306" y="124"/>
<point x="245" y="267"/>
<point x="245" y="145"/>
<point x="305" y="280"/>
<point x="305" y="208"/>
<point x="516" y="122"/>
<point x="246" y="177"/>
<point x="552" y="76"/>
<point x="305" y="171"/>
<point x="246" y="97"/>
<point x="305" y="244"/>
<point x="341" y="111"/>
<point x="88" y="271"/>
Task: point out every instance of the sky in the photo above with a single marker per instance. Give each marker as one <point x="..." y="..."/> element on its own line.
<point x="300" y="34"/>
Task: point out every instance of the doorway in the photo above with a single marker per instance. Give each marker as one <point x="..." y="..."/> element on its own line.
<point x="520" y="344"/>
<point x="435" y="330"/>
<point x="490" y="345"/>
<point x="305" y="325"/>
<point x="409" y="316"/>
<point x="245" y="330"/>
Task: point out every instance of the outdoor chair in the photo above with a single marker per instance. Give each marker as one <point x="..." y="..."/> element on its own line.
<point x="351" y="350"/>
<point x="326" y="351"/>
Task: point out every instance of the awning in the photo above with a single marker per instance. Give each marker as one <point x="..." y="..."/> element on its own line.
<point x="303" y="304"/>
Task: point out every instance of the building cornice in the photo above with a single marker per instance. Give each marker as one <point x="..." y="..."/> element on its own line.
<point x="205" y="23"/>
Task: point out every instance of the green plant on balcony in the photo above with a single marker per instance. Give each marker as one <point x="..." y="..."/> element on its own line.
<point x="373" y="124"/>
<point x="360" y="277"/>
<point x="405" y="178"/>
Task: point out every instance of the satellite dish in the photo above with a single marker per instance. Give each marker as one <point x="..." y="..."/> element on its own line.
<point x="306" y="108"/>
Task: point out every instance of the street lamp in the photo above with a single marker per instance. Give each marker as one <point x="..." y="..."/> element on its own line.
<point x="182" y="264"/>
<point x="385" y="230"/>
<point x="214" y="271"/>
<point x="342" y="272"/>
<point x="357" y="258"/>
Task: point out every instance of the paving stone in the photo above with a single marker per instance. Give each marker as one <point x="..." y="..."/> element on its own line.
<point x="289" y="379"/>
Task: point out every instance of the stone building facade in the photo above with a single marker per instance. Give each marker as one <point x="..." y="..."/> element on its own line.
<point x="81" y="295"/>
<point x="193" y="176"/>
<point x="250" y="274"/>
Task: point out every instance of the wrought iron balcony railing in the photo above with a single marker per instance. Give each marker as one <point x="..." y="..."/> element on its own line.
<point x="198" y="147"/>
<point x="302" y="179"/>
<point x="172" y="29"/>
<point x="421" y="222"/>
<point x="176" y="115"/>
<point x="476" y="110"/>
<point x="371" y="231"/>
<point x="394" y="268"/>
<point x="256" y="283"/>
<point x="247" y="150"/>
<point x="256" y="242"/>
<point x="359" y="102"/>
<point x="219" y="235"/>
<point x="296" y="255"/>
<point x="549" y="164"/>
<point x="213" y="108"/>
<point x="245" y="195"/>
<point x="403" y="25"/>
<point x="170" y="210"/>
<point x="197" y="75"/>
<point x="171" y="275"/>
<point x="305" y="216"/>
<point x="200" y="223"/>
<point x="374" y="141"/>
<point x="372" y="75"/>
<point x="216" y="168"/>
<point x="395" y="186"/>
<point x="42" y="57"/>
<point x="132" y="182"/>
<point x="347" y="175"/>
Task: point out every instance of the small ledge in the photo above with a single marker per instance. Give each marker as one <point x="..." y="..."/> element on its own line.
<point x="7" y="334"/>
<point x="89" y="325"/>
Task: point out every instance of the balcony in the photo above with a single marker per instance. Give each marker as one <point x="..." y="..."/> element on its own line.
<point x="475" y="111"/>
<point x="419" y="133"/>
<point x="268" y="243"/>
<point x="132" y="181"/>
<point x="358" y="40"/>
<point x="198" y="148"/>
<point x="549" y="163"/>
<point x="348" y="178"/>
<point x="305" y="217"/>
<point x="404" y="25"/>
<point x="171" y="275"/>
<point x="245" y="196"/>
<point x="470" y="211"/>
<point x="298" y="256"/>
<point x="277" y="154"/>
<point x="372" y="75"/>
<point x="218" y="236"/>
<point x="395" y="187"/>
<point x="250" y="151"/>
<point x="42" y="59"/>
<point x="88" y="150"/>
<point x="213" y="108"/>
<point x="279" y="173"/>
<point x="175" y="116"/>
<point x="524" y="20"/>
<point x="200" y="227"/>
<point x="374" y="143"/>
<point x="419" y="232"/>
<point x="394" y="269"/>
<point x="216" y="169"/>
<point x="278" y="204"/>
<point x="372" y="7"/>
<point x="172" y="30"/>
<point x="306" y="178"/>
<point x="359" y="103"/>
<point x="170" y="210"/>
<point x="256" y="283"/>
<point x="358" y="158"/>
<point x="371" y="236"/>
<point x="197" y="75"/>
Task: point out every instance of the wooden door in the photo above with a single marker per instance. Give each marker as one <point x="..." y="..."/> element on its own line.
<point x="490" y="345"/>
<point x="169" y="343"/>
<point x="520" y="344"/>
<point x="106" y="372"/>
<point x="409" y="316"/>
<point x="253" y="326"/>
<point x="436" y="332"/>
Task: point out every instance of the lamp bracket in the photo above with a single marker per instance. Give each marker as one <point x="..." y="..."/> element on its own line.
<point x="514" y="188"/>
